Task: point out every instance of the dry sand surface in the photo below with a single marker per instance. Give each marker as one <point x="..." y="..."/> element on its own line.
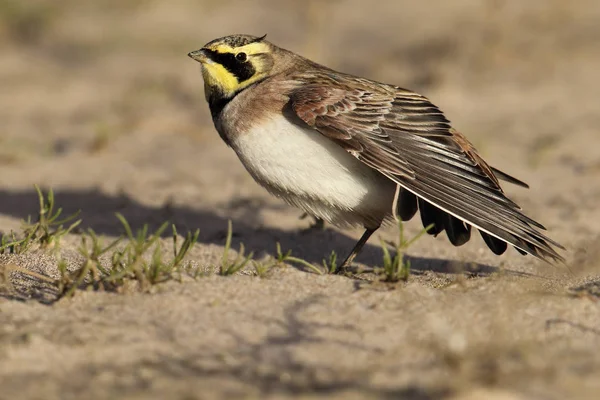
<point x="99" y="102"/>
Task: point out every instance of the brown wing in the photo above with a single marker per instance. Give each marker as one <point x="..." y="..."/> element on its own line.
<point x="408" y="139"/>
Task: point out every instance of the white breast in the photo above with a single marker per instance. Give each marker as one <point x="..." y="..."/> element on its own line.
<point x="311" y="172"/>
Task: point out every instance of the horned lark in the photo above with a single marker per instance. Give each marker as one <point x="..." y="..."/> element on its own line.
<point x="353" y="151"/>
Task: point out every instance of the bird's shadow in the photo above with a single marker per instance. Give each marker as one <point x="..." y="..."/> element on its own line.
<point x="98" y="212"/>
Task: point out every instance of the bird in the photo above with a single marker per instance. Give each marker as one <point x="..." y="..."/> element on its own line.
<point x="355" y="152"/>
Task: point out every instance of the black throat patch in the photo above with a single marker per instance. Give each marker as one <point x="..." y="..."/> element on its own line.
<point x="217" y="102"/>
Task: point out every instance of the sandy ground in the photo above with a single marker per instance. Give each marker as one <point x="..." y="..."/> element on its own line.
<point x="99" y="102"/>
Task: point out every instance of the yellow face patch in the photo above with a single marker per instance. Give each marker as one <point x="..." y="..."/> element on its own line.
<point x="216" y="75"/>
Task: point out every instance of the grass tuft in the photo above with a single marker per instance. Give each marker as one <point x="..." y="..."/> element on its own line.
<point x="330" y="264"/>
<point x="48" y="229"/>
<point x="262" y="269"/>
<point x="281" y="256"/>
<point x="129" y="262"/>
<point x="395" y="268"/>
<point x="91" y="248"/>
<point x="228" y="267"/>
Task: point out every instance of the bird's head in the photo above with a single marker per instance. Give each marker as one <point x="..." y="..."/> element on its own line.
<point x="232" y="63"/>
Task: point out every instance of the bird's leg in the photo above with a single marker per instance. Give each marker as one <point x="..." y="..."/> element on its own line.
<point x="357" y="247"/>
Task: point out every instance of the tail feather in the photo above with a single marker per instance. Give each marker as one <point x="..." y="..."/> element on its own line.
<point x="496" y="245"/>
<point x="431" y="216"/>
<point x="457" y="231"/>
<point x="407" y="205"/>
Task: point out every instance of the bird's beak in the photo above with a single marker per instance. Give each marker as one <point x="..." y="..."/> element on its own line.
<point x="198" y="55"/>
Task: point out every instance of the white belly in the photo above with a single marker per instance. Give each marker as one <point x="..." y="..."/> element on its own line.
<point x="311" y="172"/>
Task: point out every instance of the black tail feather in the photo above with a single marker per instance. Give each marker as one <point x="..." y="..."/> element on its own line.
<point x="496" y="245"/>
<point x="458" y="232"/>
<point x="431" y="215"/>
<point x="407" y="205"/>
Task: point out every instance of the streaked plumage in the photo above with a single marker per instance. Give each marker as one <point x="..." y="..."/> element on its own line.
<point x="338" y="146"/>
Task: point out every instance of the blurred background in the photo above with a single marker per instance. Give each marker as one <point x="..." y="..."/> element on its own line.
<point x="99" y="100"/>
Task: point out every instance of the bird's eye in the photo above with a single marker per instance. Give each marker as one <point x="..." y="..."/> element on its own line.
<point x="241" y="57"/>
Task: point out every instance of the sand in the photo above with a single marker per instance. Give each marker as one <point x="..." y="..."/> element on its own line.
<point x="99" y="102"/>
